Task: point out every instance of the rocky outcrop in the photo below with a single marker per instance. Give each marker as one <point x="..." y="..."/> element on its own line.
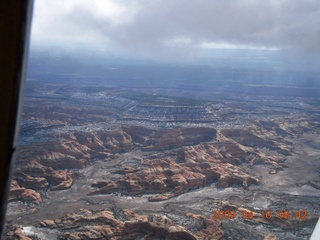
<point x="61" y="180"/>
<point x="203" y="155"/>
<point x="229" y="152"/>
<point x="247" y="138"/>
<point x="157" y="140"/>
<point x="58" y="139"/>
<point x="138" y="134"/>
<point x="75" y="150"/>
<point x="60" y="161"/>
<point x="212" y="229"/>
<point x="159" y="198"/>
<point x="104" y="142"/>
<point x="167" y="176"/>
<point x="36" y="176"/>
<point x="15" y="232"/>
<point x="263" y="134"/>
<point x="51" y="165"/>
<point x="27" y="181"/>
<point x="125" y="224"/>
<point x="18" y="193"/>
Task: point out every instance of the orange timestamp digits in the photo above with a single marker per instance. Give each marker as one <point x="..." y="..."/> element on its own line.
<point x="302" y="214"/>
<point x="285" y="214"/>
<point x="232" y="214"/>
<point x="265" y="214"/>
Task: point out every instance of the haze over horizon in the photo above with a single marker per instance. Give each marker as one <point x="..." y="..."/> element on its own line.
<point x="180" y="31"/>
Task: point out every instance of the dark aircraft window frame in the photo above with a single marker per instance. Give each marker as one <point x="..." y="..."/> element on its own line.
<point x="15" y="22"/>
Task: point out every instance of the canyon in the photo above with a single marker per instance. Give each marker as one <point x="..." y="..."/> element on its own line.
<point x="134" y="163"/>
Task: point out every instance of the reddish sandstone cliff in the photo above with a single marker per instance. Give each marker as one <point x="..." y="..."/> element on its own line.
<point x="86" y="224"/>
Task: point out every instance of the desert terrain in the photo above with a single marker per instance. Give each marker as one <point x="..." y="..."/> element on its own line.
<point x="153" y="162"/>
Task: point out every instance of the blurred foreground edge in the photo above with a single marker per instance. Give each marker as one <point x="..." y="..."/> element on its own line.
<point x="15" y="22"/>
<point x="316" y="232"/>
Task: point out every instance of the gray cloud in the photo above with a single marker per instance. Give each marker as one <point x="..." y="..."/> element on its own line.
<point x="178" y="27"/>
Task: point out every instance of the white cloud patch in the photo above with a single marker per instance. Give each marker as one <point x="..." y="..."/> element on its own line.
<point x="158" y="27"/>
<point x="78" y="20"/>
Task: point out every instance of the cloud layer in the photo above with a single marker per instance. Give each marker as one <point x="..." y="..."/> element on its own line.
<point x="144" y="27"/>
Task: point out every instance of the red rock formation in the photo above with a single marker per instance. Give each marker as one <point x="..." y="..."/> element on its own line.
<point x="15" y="232"/>
<point x="61" y="180"/>
<point x="27" y="181"/>
<point x="159" y="198"/>
<point x="60" y="161"/>
<point x="204" y="156"/>
<point x="75" y="150"/>
<point x="37" y="176"/>
<point x="165" y="175"/>
<point x="104" y="225"/>
<point x="18" y="193"/>
<point x="212" y="229"/>
<point x="257" y="137"/>
<point x="117" y="142"/>
<point x="139" y="134"/>
<point x="43" y="165"/>
<point x="228" y="152"/>
<point x="112" y="142"/>
<point x="246" y="138"/>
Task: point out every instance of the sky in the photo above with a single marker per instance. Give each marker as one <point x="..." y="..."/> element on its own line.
<point x="179" y="29"/>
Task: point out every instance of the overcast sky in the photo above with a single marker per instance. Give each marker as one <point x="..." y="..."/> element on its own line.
<point x="173" y="28"/>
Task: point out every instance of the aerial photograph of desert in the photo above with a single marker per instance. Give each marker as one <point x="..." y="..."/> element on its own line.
<point x="169" y="120"/>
